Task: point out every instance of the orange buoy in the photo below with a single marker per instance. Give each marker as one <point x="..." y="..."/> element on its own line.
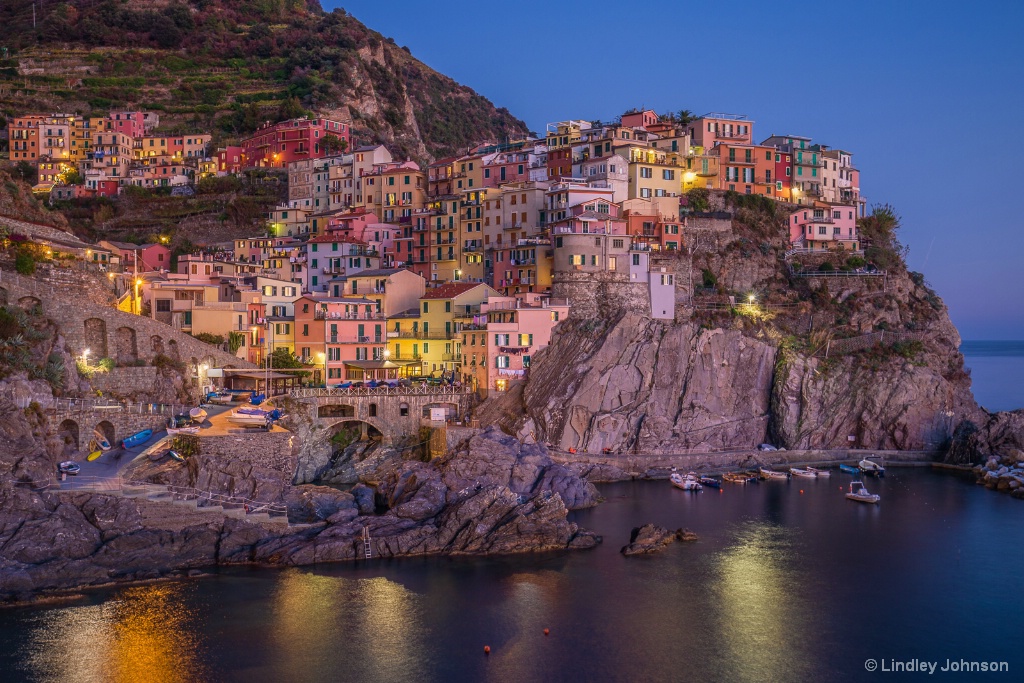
<point x="546" y="631"/>
<point x="487" y="649"/>
<point x="801" y="492"/>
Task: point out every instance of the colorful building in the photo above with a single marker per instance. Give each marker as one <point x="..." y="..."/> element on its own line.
<point x="278" y="144"/>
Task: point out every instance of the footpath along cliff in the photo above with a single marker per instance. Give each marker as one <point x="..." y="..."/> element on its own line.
<point x="805" y="351"/>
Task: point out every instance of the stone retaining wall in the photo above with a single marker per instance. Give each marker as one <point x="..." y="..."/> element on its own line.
<point x="659" y="466"/>
<point x="604" y="293"/>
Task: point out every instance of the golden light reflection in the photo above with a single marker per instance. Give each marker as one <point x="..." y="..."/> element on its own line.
<point x="763" y="623"/>
<point x="144" y="635"/>
<point x="531" y="605"/>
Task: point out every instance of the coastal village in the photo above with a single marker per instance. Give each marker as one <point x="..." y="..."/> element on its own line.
<point x="380" y="270"/>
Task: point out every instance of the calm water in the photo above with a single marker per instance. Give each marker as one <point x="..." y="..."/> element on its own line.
<point x="997" y="373"/>
<point x="781" y="586"/>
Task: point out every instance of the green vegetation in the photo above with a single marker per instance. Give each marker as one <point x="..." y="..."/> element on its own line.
<point x="709" y="279"/>
<point x="235" y="341"/>
<point x="879" y="235"/>
<point x="22" y="336"/>
<point x="698" y="199"/>
<point x="214" y="339"/>
<point x="283" y="358"/>
<point x="25" y="263"/>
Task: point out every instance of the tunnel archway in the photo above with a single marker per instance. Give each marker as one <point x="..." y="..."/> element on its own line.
<point x="106" y="429"/>
<point x="68" y="433"/>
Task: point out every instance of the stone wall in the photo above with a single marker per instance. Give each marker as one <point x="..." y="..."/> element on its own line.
<point x="106" y="331"/>
<point x="659" y="466"/>
<point x="115" y="425"/>
<point x="600" y="294"/>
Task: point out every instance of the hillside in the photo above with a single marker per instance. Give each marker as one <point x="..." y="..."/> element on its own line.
<point x="227" y="66"/>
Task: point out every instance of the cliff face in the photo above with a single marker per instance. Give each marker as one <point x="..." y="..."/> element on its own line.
<point x="806" y="367"/>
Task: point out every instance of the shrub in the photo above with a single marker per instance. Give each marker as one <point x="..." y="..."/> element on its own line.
<point x="826" y="267"/>
<point x="710" y="281"/>
<point x="24" y="263"/>
<point x="215" y="339"/>
<point x="84" y="369"/>
<point x="105" y="364"/>
<point x="698" y="199"/>
<point x="855" y="262"/>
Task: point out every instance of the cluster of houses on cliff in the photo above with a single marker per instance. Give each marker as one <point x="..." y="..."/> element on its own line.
<point x="377" y="268"/>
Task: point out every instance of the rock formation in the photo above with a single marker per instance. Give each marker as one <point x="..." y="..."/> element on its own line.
<point x="651" y="538"/>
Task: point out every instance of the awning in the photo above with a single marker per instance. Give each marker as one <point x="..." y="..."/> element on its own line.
<point x="379" y="364"/>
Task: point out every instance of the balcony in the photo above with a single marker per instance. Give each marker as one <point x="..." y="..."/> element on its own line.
<point x="731" y="135"/>
<point x="744" y="161"/>
<point x="332" y="315"/>
<point x="445" y="241"/>
<point x="450" y="256"/>
<point x="340" y="339"/>
<point x="821" y="219"/>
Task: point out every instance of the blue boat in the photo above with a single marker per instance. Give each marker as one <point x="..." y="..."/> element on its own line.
<point x="849" y="469"/>
<point x="137" y="439"/>
<point x="711" y="482"/>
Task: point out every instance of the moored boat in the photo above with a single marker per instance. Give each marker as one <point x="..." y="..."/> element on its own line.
<point x="819" y="473"/>
<point x="93" y="456"/>
<point x="801" y="472"/>
<point x="772" y="474"/>
<point x="176" y="455"/>
<point x="219" y="397"/>
<point x="687" y="483"/>
<point x="198" y="415"/>
<point x="860" y="494"/>
<point x="710" y="482"/>
<point x="137" y="439"/>
<point x="849" y="469"/>
<point x="871" y="467"/>
<point x="254" y="417"/>
<point x="740" y="477"/>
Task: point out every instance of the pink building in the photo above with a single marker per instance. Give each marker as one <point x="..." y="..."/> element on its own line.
<point x="230" y="160"/>
<point x="640" y="119"/>
<point x="516" y="328"/>
<point x="506" y="167"/>
<point x="825" y="226"/>
<point x="711" y="129"/>
<point x="130" y="123"/>
<point x="355" y="338"/>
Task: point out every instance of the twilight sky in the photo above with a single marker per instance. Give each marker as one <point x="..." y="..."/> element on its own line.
<point x="928" y="95"/>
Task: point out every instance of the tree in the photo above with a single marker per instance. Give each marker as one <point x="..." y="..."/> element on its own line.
<point x="26" y="172"/>
<point x="332" y="144"/>
<point x="73" y="177"/>
<point x="283" y="358"/>
<point x="878" y="234"/>
<point x="685" y="116"/>
<point x="290" y="109"/>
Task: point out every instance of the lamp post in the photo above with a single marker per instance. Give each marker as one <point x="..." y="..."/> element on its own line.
<point x="323" y="359"/>
<point x="138" y="302"/>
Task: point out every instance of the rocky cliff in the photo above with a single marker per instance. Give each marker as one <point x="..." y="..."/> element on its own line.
<point x="807" y="365"/>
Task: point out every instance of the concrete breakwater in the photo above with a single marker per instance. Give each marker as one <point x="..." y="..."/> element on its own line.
<point x="617" y="467"/>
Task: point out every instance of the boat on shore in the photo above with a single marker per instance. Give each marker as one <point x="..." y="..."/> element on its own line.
<point x="710" y="482"/>
<point x="101" y="440"/>
<point x="198" y="415"/>
<point x="801" y="472"/>
<point x="871" y="467"/>
<point x="93" y="456"/>
<point x="69" y="467"/>
<point x="137" y="439"/>
<point x="181" y="424"/>
<point x="859" y="493"/>
<point x="251" y="416"/>
<point x="739" y="478"/>
<point x="219" y="397"/>
<point x="849" y="469"/>
<point x="686" y="483"/>
<point x="818" y="472"/>
<point x="772" y="474"/>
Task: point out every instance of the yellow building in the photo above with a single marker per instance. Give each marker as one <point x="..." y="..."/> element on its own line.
<point x="652" y="172"/>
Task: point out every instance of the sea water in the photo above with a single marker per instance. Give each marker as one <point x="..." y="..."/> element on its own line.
<point x="997" y="373"/>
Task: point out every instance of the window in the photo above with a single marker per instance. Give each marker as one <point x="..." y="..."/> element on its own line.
<point x="617" y="244"/>
<point x="821" y="230"/>
<point x="501" y="339"/>
<point x="163" y="305"/>
<point x="424" y="306"/>
<point x="646" y="172"/>
<point x="501" y="361"/>
<point x="668" y="174"/>
<point x="636" y="259"/>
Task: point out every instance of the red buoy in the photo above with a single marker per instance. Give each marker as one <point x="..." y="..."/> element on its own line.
<point x="546" y="631"/>
<point x="801" y="492"/>
<point x="487" y="649"/>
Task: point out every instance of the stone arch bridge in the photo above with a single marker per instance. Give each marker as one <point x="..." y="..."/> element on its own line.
<point x="75" y="420"/>
<point x="396" y="412"/>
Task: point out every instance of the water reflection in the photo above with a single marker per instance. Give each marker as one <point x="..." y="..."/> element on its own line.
<point x="374" y="621"/>
<point x="763" y="626"/>
<point x="145" y="635"/>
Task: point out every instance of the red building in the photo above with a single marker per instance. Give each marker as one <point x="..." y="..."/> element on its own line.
<point x="783" y="175"/>
<point x="230" y="160"/>
<point x="278" y="144"/>
<point x="560" y="163"/>
<point x="130" y="123"/>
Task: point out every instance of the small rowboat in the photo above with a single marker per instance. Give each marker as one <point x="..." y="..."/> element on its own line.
<point x="820" y="473"/>
<point x="198" y="415"/>
<point x="220" y="398"/>
<point x="849" y="469"/>
<point x="739" y="477"/>
<point x="181" y="424"/>
<point x="687" y="483"/>
<point x="101" y="440"/>
<point x="800" y="472"/>
<point x="860" y="494"/>
<point x="69" y="467"/>
<point x="710" y="482"/>
<point x="772" y="474"/>
<point x="176" y="455"/>
<point x="93" y="456"/>
<point x="137" y="439"/>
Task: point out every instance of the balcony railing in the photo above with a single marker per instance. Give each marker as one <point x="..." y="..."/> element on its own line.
<point x="332" y="315"/>
<point x="343" y="339"/>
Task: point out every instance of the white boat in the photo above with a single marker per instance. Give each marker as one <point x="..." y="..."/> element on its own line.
<point x="686" y="483"/>
<point x="198" y="415"/>
<point x="871" y="467"/>
<point x="819" y="473"/>
<point x="860" y="494"/>
<point x="181" y="424"/>
<point x="250" y="417"/>
<point x="220" y="398"/>
<point x="101" y="440"/>
<point x="772" y="474"/>
<point x="805" y="473"/>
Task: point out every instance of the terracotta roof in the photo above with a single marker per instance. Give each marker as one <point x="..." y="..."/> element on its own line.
<point x="450" y="290"/>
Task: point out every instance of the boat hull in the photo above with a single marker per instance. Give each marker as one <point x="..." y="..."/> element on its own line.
<point x="872" y="499"/>
<point x="772" y="474"/>
<point x="93" y="456"/>
<point x="137" y="439"/>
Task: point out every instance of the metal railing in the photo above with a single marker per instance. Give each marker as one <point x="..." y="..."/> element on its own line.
<point x="107" y="405"/>
<point x="416" y="390"/>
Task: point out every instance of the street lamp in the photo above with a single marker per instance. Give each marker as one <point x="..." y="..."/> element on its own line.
<point x="751" y="299"/>
<point x="323" y="359"/>
<point x="85" y="358"/>
<point x="138" y="303"/>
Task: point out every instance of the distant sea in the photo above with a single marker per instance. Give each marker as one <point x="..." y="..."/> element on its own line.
<point x="997" y="372"/>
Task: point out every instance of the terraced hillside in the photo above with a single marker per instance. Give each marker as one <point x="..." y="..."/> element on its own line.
<point x="229" y="65"/>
